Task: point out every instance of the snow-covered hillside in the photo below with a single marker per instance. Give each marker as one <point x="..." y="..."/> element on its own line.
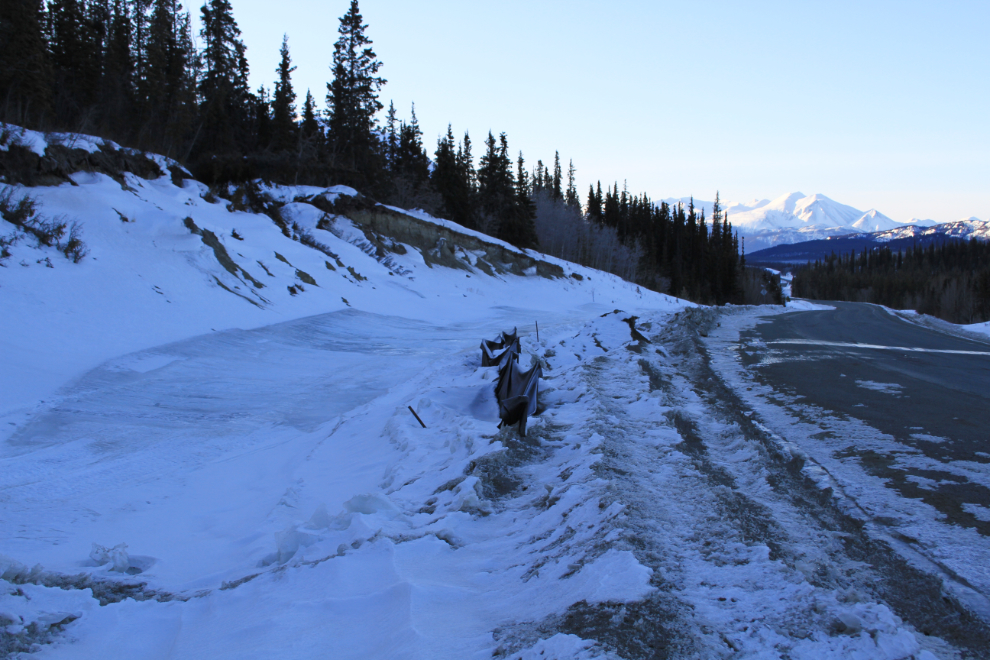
<point x="205" y="398"/>
<point x="168" y="261"/>
<point x="966" y="228"/>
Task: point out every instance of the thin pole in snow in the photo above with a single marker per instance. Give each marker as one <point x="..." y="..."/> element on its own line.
<point x="537" y="331"/>
<point x="416" y="416"/>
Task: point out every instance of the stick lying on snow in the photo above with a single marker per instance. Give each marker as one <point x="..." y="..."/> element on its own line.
<point x="417" y="417"/>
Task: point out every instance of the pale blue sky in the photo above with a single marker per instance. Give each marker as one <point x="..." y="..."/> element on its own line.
<point x="874" y="104"/>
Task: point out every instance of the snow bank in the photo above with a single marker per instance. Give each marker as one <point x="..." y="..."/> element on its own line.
<point x="800" y="305"/>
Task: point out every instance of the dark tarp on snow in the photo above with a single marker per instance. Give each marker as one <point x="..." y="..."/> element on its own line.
<point x="491" y="351"/>
<point x="517" y="391"/>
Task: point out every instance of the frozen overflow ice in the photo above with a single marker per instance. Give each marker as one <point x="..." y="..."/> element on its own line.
<point x="207" y="450"/>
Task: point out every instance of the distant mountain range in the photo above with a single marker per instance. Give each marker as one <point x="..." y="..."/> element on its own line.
<point x="900" y="238"/>
<point x="798" y="218"/>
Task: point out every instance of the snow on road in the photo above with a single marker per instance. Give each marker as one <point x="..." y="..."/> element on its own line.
<point x="828" y="444"/>
<point x="633" y="518"/>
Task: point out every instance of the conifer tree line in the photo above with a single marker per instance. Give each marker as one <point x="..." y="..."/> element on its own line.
<point x="950" y="281"/>
<point x="132" y="71"/>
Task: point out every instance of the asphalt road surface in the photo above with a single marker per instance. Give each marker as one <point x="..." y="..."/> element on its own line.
<point x="925" y="389"/>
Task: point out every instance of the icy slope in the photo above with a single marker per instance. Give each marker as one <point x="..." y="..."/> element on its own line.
<point x="165" y="264"/>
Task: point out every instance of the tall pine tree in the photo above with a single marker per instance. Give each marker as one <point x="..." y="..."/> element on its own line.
<point x="352" y="102"/>
<point x="451" y="181"/>
<point x="284" y="102"/>
<point x="226" y="102"/>
<point x="25" y="71"/>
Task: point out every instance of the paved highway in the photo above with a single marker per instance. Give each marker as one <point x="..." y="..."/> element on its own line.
<point x="926" y="389"/>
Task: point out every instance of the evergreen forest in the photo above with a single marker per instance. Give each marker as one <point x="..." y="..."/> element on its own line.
<point x="133" y="72"/>
<point x="950" y="281"/>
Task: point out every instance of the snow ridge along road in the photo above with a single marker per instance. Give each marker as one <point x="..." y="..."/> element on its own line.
<point x="643" y="516"/>
<point x="905" y="488"/>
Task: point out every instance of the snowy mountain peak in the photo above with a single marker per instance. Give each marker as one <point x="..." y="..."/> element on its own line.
<point x="873" y="221"/>
<point x="788" y="203"/>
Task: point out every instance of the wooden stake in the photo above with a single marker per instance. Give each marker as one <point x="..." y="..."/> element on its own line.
<point x="537" y="331"/>
<point x="417" y="417"/>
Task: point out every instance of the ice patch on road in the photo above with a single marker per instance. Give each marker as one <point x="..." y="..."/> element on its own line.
<point x="886" y="388"/>
<point x="980" y="512"/>
<point x="925" y="437"/>
<point x="859" y="465"/>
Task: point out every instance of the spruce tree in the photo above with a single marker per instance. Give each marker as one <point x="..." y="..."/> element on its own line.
<point x="117" y="90"/>
<point x="310" y="126"/>
<point x="264" y="126"/>
<point x="352" y="102"/>
<point x="166" y="90"/>
<point x="499" y="196"/>
<point x="610" y="210"/>
<point x="572" y="193"/>
<point x="495" y="185"/>
<point x="25" y="71"/>
<point x="465" y="162"/>
<point x="522" y="232"/>
<point x="451" y="181"/>
<point x="284" y="102"/>
<point x="66" y="44"/>
<point x="594" y="205"/>
<point x="310" y="148"/>
<point x="226" y="102"/>
<point x="391" y="138"/>
<point x="411" y="161"/>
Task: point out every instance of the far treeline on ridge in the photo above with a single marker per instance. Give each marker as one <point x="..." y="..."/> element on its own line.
<point x="128" y="71"/>
<point x="950" y="281"/>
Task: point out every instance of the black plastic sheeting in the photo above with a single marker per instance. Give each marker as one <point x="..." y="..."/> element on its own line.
<point x="492" y="351"/>
<point x="517" y="391"/>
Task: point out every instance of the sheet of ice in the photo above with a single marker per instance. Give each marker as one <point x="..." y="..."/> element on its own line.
<point x="886" y="388"/>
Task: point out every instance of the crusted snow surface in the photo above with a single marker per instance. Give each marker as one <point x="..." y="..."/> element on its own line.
<point x="152" y="276"/>
<point x="206" y="451"/>
<point x="274" y="509"/>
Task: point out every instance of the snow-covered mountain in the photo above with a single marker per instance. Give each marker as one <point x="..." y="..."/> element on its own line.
<point x="873" y="221"/>
<point x="971" y="227"/>
<point x="796" y="218"/>
<point x="899" y="238"/>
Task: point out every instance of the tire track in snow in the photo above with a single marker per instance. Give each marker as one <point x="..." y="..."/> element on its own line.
<point x="854" y="554"/>
<point x="747" y="558"/>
